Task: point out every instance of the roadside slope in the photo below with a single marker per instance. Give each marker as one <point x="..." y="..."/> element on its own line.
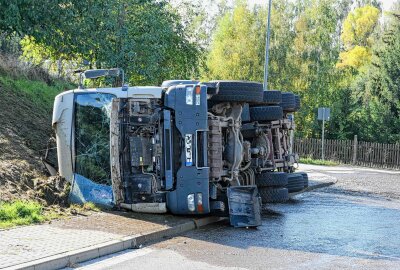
<point x="25" y="127"/>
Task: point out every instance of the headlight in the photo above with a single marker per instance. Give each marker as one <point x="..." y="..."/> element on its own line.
<point x="190" y="201"/>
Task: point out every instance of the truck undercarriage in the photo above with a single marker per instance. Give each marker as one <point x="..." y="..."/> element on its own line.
<point x="200" y="148"/>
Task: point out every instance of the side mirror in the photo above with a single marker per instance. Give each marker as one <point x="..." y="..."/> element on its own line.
<point x="98" y="73"/>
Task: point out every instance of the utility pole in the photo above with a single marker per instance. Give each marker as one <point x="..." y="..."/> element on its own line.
<point x="267" y="47"/>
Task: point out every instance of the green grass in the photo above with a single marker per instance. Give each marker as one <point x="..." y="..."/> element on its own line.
<point x="318" y="162"/>
<point x="20" y="213"/>
<point x="40" y="93"/>
<point x="88" y="206"/>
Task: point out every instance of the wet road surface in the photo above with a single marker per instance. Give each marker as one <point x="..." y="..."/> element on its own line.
<point x="324" y="229"/>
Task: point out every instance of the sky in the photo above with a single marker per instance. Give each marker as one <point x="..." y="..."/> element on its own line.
<point x="386" y="4"/>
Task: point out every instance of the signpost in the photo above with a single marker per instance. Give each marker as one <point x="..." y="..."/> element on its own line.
<point x="324" y="114"/>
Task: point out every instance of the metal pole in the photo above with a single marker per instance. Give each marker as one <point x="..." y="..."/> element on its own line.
<point x="267" y="47"/>
<point x="323" y="133"/>
<point x="291" y="136"/>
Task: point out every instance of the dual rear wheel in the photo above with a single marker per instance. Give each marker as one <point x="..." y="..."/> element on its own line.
<point x="275" y="187"/>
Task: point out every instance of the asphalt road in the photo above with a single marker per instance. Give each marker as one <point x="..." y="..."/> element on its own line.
<point x="359" y="181"/>
<point x="352" y="225"/>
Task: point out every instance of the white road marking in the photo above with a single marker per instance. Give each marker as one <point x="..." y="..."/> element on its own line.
<point x="109" y="261"/>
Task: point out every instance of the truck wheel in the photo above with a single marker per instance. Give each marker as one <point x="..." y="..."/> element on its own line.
<point x="288" y="102"/>
<point x="295" y="182"/>
<point x="305" y="179"/>
<point x="266" y="113"/>
<point x="240" y="91"/>
<point x="297" y="102"/>
<point x="271" y="179"/>
<point x="272" y="97"/>
<point x="274" y="195"/>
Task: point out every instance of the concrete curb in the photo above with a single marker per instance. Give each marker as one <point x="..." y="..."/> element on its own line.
<point x="134" y="241"/>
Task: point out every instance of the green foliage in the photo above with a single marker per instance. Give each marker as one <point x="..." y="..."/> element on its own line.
<point x="36" y="53"/>
<point x="318" y="162"/>
<point x="20" y="213"/>
<point x="324" y="51"/>
<point x="234" y="51"/>
<point x="376" y="92"/>
<point x="333" y="53"/>
<point x="145" y="38"/>
<point x="316" y="49"/>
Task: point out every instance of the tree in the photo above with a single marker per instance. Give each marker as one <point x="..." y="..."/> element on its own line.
<point x="144" y="37"/>
<point x="380" y="90"/>
<point x="304" y="49"/>
<point x="316" y="49"/>
<point x="234" y="50"/>
<point x="357" y="30"/>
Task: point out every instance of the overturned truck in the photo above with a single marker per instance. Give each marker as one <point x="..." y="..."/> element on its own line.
<point x="187" y="147"/>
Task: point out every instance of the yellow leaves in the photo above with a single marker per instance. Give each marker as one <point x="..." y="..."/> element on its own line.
<point x="301" y="24"/>
<point x="34" y="52"/>
<point x="357" y="29"/>
<point x="355" y="58"/>
<point x="359" y="25"/>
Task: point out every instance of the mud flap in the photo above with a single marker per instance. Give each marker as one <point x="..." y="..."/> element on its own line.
<point x="244" y="206"/>
<point x="85" y="190"/>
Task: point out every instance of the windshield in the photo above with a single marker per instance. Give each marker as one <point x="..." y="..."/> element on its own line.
<point x="92" y="136"/>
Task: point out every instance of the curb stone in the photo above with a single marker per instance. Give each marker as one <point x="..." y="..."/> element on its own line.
<point x="128" y="242"/>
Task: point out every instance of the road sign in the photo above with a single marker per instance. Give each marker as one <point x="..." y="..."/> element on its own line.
<point x="324" y="114"/>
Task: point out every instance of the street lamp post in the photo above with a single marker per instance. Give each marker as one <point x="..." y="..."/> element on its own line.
<point x="267" y="47"/>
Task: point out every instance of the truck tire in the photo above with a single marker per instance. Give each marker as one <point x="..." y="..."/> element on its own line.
<point x="266" y="113"/>
<point x="295" y="182"/>
<point x="305" y="179"/>
<point x="274" y="195"/>
<point x="272" y="97"/>
<point x="239" y="91"/>
<point x="297" y="103"/>
<point x="271" y="179"/>
<point x="288" y="102"/>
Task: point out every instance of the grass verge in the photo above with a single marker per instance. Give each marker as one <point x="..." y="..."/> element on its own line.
<point x="20" y="213"/>
<point x="40" y="93"/>
<point x="318" y="162"/>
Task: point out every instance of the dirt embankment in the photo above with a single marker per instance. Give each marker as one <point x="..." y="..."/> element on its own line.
<point x="24" y="131"/>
